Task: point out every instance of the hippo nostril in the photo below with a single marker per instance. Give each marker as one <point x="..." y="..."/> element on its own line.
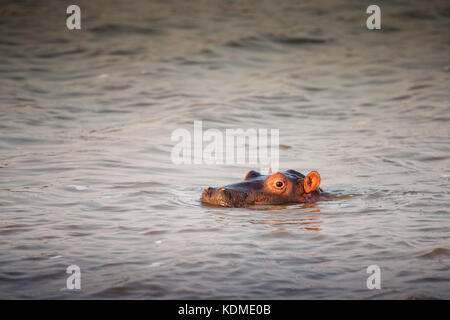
<point x="208" y="192"/>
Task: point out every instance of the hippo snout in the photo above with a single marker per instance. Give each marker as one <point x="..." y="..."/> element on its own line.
<point x="223" y="197"/>
<point x="214" y="193"/>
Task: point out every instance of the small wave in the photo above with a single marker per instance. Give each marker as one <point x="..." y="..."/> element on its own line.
<point x="422" y="297"/>
<point x="115" y="29"/>
<point x="415" y="14"/>
<point x="438" y="252"/>
<point x="49" y="55"/>
<point x="297" y="41"/>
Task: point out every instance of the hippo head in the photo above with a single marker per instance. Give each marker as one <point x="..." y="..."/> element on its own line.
<point x="279" y="188"/>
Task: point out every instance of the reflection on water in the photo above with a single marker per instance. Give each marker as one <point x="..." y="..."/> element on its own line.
<point x="86" y="177"/>
<point x="311" y="223"/>
<point x="307" y="218"/>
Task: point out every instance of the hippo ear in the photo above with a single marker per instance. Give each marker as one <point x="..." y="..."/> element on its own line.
<point x="311" y="181"/>
<point x="251" y="174"/>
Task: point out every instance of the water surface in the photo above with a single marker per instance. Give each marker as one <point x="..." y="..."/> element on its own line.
<point x="86" y="176"/>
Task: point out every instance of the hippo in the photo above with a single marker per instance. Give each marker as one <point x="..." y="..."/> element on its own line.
<point x="279" y="188"/>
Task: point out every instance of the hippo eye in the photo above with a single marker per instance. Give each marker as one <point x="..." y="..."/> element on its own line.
<point x="279" y="184"/>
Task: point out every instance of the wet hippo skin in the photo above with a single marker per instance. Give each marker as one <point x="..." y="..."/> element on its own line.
<point x="279" y="188"/>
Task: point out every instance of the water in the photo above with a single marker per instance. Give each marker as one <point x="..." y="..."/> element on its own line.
<point x="87" y="178"/>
